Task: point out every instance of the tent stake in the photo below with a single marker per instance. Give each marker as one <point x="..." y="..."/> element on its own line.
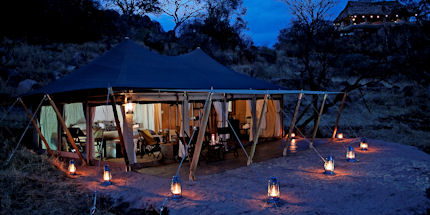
<point x="202" y="130"/>
<point x="292" y="124"/>
<point x="311" y="144"/>
<point x="36" y="127"/>
<point x="338" y="116"/>
<point x="118" y="128"/>
<point x="63" y="124"/>
<point x="257" y="133"/>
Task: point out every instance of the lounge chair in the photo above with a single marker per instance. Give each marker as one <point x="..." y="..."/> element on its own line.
<point x="148" y="144"/>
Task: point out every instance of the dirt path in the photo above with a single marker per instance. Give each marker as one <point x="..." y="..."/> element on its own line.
<point x="389" y="179"/>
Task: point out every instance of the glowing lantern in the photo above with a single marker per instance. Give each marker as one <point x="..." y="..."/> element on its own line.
<point x="175" y="187"/>
<point x="371" y="16"/>
<point x="293" y="146"/>
<point x="129" y="108"/>
<point x="363" y="144"/>
<point x="293" y="135"/>
<point x="350" y="154"/>
<point x="329" y="166"/>
<point x="397" y="15"/>
<point x="377" y="16"/>
<point x="213" y="139"/>
<point x="363" y="17"/>
<point x="107" y="176"/>
<point x="72" y="167"/>
<point x="273" y="192"/>
<point x="340" y="136"/>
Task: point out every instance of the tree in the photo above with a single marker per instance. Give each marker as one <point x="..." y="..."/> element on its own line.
<point x="135" y="7"/>
<point x="182" y="11"/>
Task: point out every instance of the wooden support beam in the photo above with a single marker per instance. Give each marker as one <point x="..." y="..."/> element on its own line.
<point x="292" y="124"/>
<point x="89" y="146"/>
<point x="63" y="124"/>
<point x="311" y="144"/>
<point x="36" y="127"/>
<point x="338" y="115"/>
<point x="118" y="128"/>
<point x="186" y="117"/>
<point x="254" y="116"/>
<point x="199" y="143"/>
<point x="257" y="133"/>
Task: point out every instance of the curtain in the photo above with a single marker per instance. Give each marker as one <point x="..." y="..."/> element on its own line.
<point x="49" y="126"/>
<point x="74" y="115"/>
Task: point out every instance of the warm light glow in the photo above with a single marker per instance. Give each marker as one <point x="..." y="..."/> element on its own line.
<point x="72" y="167"/>
<point x="129" y="108"/>
<point x="175" y="187"/>
<point x="363" y="146"/>
<point x="397" y="15"/>
<point x="293" y="141"/>
<point x="363" y="17"/>
<point x="340" y="136"/>
<point x="371" y="16"/>
<point x="273" y="192"/>
<point x="353" y="20"/>
<point x="293" y="135"/>
<point x="107" y="176"/>
<point x="329" y="166"/>
<point x="377" y="16"/>
<point x="213" y="139"/>
<point x="350" y="155"/>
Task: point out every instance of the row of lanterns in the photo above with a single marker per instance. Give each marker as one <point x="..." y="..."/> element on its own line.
<point x="273" y="191"/>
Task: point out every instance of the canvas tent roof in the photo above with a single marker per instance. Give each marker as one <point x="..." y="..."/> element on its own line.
<point x="131" y="66"/>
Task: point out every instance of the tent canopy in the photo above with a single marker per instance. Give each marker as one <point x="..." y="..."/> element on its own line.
<point x="130" y="66"/>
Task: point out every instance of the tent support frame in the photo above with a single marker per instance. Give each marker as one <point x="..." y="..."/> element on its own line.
<point x="338" y="115"/>
<point x="292" y="124"/>
<point x="201" y="135"/>
<point x="257" y="133"/>
<point x="68" y="134"/>
<point x="311" y="144"/>
<point x="36" y="127"/>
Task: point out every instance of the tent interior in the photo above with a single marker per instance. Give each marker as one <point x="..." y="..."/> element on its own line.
<point x="164" y="122"/>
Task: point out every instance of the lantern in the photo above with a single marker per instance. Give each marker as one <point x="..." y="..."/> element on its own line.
<point x="213" y="142"/>
<point x="129" y="108"/>
<point x="72" y="167"/>
<point x="273" y="192"/>
<point x="340" y="136"/>
<point x="107" y="176"/>
<point x="363" y="144"/>
<point x="293" y="135"/>
<point x="175" y="187"/>
<point x="371" y="16"/>
<point x="329" y="166"/>
<point x="350" y="154"/>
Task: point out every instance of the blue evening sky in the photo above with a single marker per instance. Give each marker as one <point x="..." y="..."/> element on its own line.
<point x="265" y="18"/>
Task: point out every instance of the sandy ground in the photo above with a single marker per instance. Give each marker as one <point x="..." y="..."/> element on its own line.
<point x="390" y="178"/>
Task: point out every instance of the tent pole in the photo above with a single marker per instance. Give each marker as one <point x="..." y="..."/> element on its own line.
<point x="202" y="131"/>
<point x="292" y="124"/>
<point x="36" y="127"/>
<point x="338" y="115"/>
<point x="185" y="116"/>
<point x="311" y="144"/>
<point x="118" y="128"/>
<point x="89" y="141"/>
<point x="254" y="114"/>
<point x="257" y="133"/>
<point x="63" y="124"/>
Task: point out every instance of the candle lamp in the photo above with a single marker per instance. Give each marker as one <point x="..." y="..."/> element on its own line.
<point x="340" y="136"/>
<point x="350" y="154"/>
<point x="329" y="166"/>
<point x="175" y="187"/>
<point x="72" y="167"/>
<point x="107" y="176"/>
<point x="273" y="192"/>
<point x="363" y="144"/>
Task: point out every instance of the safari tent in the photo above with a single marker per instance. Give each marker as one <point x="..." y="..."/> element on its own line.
<point x="168" y="95"/>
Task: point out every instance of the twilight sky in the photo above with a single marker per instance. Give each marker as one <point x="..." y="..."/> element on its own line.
<point x="265" y="18"/>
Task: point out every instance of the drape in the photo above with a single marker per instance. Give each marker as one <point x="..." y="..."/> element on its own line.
<point x="49" y="126"/>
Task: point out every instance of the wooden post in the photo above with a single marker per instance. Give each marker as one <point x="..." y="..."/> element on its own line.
<point x="254" y="115"/>
<point x="89" y="141"/>
<point x="318" y="122"/>
<point x="257" y="133"/>
<point x="118" y="128"/>
<point x="338" y="116"/>
<point x="36" y="127"/>
<point x="63" y="124"/>
<point x="185" y="117"/>
<point x="127" y="133"/>
<point x="202" y="130"/>
<point x="292" y="124"/>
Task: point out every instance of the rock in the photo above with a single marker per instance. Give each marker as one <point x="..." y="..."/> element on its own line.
<point x="25" y="86"/>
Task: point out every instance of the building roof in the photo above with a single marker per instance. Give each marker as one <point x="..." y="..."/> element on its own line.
<point x="368" y="8"/>
<point x="130" y="66"/>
